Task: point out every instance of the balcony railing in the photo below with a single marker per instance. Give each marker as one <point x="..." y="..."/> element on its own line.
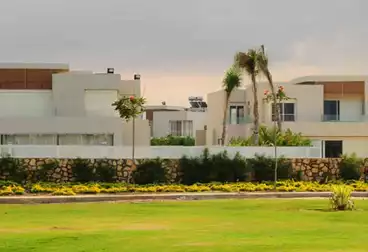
<point x="344" y="118"/>
<point x="239" y="120"/>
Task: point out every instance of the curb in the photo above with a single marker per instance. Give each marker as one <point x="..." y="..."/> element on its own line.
<point x="164" y="196"/>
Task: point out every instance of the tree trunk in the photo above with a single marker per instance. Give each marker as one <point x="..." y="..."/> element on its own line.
<point x="224" y="120"/>
<point x="255" y="111"/>
<point x="277" y="107"/>
<point x="133" y="140"/>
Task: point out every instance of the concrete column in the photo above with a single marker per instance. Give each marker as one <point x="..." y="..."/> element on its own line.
<point x="366" y="99"/>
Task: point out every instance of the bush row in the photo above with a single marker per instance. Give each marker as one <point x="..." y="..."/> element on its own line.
<point x="8" y="188"/>
<point x="173" y="140"/>
<point x="204" y="169"/>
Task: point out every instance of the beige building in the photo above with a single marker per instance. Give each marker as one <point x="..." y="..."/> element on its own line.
<point x="178" y="121"/>
<point x="47" y="104"/>
<point x="331" y="110"/>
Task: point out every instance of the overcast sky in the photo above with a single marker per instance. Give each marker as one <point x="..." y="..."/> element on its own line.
<point x="182" y="47"/>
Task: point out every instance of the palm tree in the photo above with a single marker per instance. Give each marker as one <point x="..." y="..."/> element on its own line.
<point x="249" y="63"/>
<point x="232" y="80"/>
<point x="263" y="68"/>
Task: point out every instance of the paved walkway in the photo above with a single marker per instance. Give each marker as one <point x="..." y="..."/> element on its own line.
<point x="45" y="199"/>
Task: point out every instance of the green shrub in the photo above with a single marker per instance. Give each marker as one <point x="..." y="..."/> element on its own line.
<point x="104" y="171"/>
<point x="7" y="183"/>
<point x="209" y="168"/>
<point x="173" y="140"/>
<point x="44" y="172"/>
<point x="12" y="169"/>
<point x="82" y="171"/>
<point x="341" y="198"/>
<point x="267" y="138"/>
<point x="263" y="168"/>
<point x="350" y="167"/>
<point x="149" y="172"/>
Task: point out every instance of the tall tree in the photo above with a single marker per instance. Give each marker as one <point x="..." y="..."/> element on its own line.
<point x="263" y="68"/>
<point x="249" y="63"/>
<point x="232" y="80"/>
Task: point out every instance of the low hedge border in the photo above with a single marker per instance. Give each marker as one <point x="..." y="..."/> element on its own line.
<point x="9" y="188"/>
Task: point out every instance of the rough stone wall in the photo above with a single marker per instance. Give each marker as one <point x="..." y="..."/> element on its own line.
<point x="123" y="168"/>
<point x="312" y="169"/>
<point x="316" y="168"/>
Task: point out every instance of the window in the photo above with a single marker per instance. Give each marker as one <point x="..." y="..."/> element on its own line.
<point x="30" y="139"/>
<point x="188" y="128"/>
<point x="236" y="114"/>
<point x="175" y="128"/>
<point x="287" y="112"/>
<point x="333" y="149"/>
<point x="331" y="110"/>
<point x="86" y="139"/>
<point x="181" y="128"/>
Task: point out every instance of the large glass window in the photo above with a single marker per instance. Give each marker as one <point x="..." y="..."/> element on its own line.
<point x="30" y="139"/>
<point x="287" y="112"/>
<point x="86" y="139"/>
<point x="236" y="114"/>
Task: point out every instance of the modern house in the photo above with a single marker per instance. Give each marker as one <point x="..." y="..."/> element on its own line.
<point x="47" y="104"/>
<point x="179" y="121"/>
<point x="330" y="110"/>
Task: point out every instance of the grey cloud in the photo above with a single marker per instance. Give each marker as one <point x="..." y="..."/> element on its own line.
<point x="165" y="35"/>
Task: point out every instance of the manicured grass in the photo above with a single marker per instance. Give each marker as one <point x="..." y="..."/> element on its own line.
<point x="226" y="225"/>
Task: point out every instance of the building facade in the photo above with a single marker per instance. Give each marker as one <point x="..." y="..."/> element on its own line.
<point x="47" y="104"/>
<point x="330" y="110"/>
<point x="178" y="121"/>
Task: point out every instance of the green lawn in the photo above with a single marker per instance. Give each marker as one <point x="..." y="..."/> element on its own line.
<point x="226" y="225"/>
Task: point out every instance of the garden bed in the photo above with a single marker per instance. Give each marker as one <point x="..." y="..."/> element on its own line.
<point x="10" y="188"/>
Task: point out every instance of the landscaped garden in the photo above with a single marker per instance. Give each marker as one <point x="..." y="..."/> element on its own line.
<point x="222" y="225"/>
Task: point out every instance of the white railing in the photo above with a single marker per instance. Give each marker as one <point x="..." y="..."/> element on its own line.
<point x="165" y="152"/>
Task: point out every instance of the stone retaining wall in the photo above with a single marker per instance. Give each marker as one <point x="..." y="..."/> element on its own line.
<point x="311" y="169"/>
<point x="62" y="172"/>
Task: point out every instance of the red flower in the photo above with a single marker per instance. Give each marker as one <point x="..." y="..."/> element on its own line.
<point x="131" y="98"/>
<point x="266" y="92"/>
<point x="281" y="88"/>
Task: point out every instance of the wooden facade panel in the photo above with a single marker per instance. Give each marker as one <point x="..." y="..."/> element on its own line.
<point x="38" y="79"/>
<point x="356" y="87"/>
<point x="27" y="78"/>
<point x="12" y="79"/>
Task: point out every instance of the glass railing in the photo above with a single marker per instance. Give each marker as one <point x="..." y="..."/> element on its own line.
<point x="344" y="118"/>
<point x="239" y="120"/>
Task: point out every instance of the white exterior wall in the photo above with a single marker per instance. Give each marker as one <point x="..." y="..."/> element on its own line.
<point x="30" y="103"/>
<point x="99" y="103"/>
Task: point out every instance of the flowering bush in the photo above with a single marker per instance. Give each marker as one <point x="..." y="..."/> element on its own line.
<point x="97" y="188"/>
<point x="280" y="95"/>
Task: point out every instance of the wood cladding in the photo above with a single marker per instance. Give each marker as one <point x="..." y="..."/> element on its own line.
<point x="27" y="78"/>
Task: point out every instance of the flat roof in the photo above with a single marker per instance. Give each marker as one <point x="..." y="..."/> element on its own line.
<point x="329" y="78"/>
<point x="164" y="107"/>
<point x="15" y="65"/>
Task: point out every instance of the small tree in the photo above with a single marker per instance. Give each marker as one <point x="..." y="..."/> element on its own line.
<point x="277" y="100"/>
<point x="130" y="108"/>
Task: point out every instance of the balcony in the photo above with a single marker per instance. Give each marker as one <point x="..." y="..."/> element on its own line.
<point x="344" y="118"/>
<point x="239" y="120"/>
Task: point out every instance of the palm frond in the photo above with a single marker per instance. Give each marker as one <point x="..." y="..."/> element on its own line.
<point x="232" y="79"/>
